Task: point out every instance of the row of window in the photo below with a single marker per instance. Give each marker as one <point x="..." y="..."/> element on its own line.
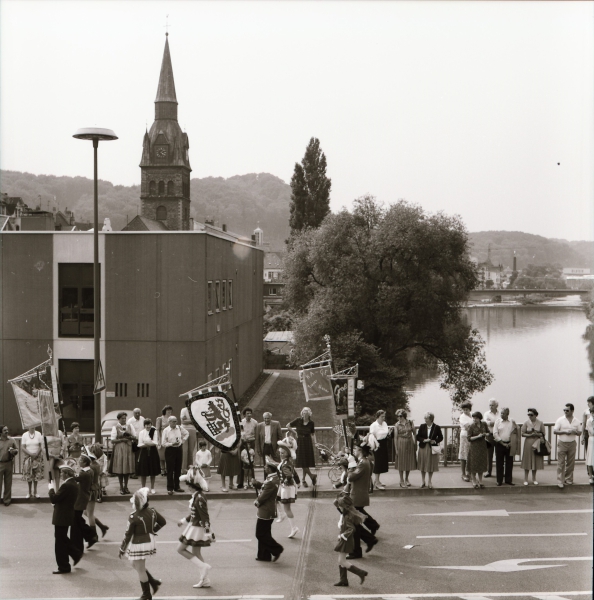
<point x="219" y="295"/>
<point x="142" y="390"/>
<point x="160" y="186"/>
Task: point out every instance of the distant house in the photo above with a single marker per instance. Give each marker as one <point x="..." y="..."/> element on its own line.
<point x="273" y="266"/>
<point x="279" y="342"/>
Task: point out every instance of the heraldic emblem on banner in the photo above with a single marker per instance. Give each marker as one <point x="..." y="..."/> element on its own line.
<point x="215" y="416"/>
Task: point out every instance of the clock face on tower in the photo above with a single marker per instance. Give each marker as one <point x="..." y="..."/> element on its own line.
<point x="161" y="152"/>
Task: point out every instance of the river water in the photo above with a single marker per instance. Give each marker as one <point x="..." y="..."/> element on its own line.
<point x="537" y="356"/>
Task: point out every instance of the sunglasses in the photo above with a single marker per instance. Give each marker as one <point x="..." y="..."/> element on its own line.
<point x="530" y="414"/>
<point x="566" y="410"/>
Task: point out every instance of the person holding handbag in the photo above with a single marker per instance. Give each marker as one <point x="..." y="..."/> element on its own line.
<point x="476" y="462"/>
<point x="429" y="436"/>
<point x="532" y="430"/>
<point x="379" y="428"/>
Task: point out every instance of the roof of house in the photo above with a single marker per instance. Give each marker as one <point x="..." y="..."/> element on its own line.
<point x="273" y="260"/>
<point x="139" y="223"/>
<point x="279" y="336"/>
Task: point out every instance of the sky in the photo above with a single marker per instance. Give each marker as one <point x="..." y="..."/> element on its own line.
<point x="481" y="109"/>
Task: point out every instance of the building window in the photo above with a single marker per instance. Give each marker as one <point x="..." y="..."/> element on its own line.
<point x="77" y="311"/>
<point x="224" y="293"/>
<point x="161" y="187"/>
<point x="170" y="191"/>
<point x="209" y="297"/>
<point x="153" y="187"/>
<point x="161" y="213"/>
<point x="121" y="390"/>
<point x="230" y="293"/>
<point x="142" y="390"/>
<point x="275" y="275"/>
<point x="218" y="296"/>
<point x="272" y="291"/>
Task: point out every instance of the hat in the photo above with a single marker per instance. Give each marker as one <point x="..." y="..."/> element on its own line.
<point x="65" y="465"/>
<point x="140" y="498"/>
<point x="352" y="462"/>
<point x="195" y="476"/>
<point x="343" y="462"/>
<point x="89" y="452"/>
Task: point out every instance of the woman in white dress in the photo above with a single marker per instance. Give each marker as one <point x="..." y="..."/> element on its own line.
<point x="590" y="451"/>
<point x="379" y="428"/>
<point x="466" y="421"/>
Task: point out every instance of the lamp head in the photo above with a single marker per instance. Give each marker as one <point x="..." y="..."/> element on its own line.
<point x="95" y="133"/>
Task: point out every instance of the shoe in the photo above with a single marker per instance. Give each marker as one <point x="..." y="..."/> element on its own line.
<point x="224" y="490"/>
<point x="305" y="483"/>
<point x="465" y="478"/>
<point x="8" y="503"/>
<point x="380" y="486"/>
<point x="281" y="517"/>
<point x="122" y="492"/>
<point x="487" y="475"/>
<point x="344" y="582"/>
<point x="499" y="484"/>
<point x="99" y="500"/>
<point x="535" y="483"/>
<point x="104" y="529"/>
<point x="277" y="556"/>
<point x="314" y="480"/>
<point x="180" y="491"/>
<point x="566" y="483"/>
<point x="28" y="496"/>
<point x="293" y="533"/>
<point x="481" y="486"/>
<point x="408" y="484"/>
<point x="371" y="545"/>
<point x="263" y="559"/>
<point x="201" y="584"/>
<point x="127" y="491"/>
<point x="354" y="556"/>
<point x="430" y="486"/>
<point x="423" y="485"/>
<point x="525" y="483"/>
<point x="475" y="486"/>
<point x="37" y="496"/>
<point x="232" y="487"/>
<point x="153" y="492"/>
<point x="402" y="484"/>
<point x="58" y="572"/>
<point x="146" y="591"/>
<point x="92" y="542"/>
<point x="155" y="583"/>
<point x="360" y="572"/>
<point x="560" y="486"/>
<point x="509" y="483"/>
<point x="239" y="487"/>
<point x="170" y="492"/>
<point x="591" y="480"/>
<point x="133" y="476"/>
<point x="76" y="560"/>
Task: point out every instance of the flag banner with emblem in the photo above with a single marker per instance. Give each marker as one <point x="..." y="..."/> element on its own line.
<point x="28" y="407"/>
<point x="215" y="416"/>
<point x="340" y="394"/>
<point x="48" y="416"/>
<point x="316" y="383"/>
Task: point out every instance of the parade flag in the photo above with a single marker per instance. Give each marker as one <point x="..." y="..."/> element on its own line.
<point x="215" y="416"/>
<point x="316" y="383"/>
<point x="28" y="407"/>
<point x="48" y="416"/>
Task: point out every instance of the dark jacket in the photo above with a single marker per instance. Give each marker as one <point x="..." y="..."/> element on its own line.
<point x="436" y="435"/>
<point x="85" y="481"/>
<point x="276" y="434"/>
<point x="359" y="479"/>
<point x="141" y="524"/>
<point x="266" y="501"/>
<point x="64" y="500"/>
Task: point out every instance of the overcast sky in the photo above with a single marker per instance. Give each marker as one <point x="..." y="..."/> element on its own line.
<point x="465" y="107"/>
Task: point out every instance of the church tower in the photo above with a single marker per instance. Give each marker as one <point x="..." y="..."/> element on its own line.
<point x="165" y="165"/>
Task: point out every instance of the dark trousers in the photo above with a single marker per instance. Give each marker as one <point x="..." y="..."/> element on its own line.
<point x="64" y="548"/>
<point x="490" y="451"/>
<point x="6" y="481"/>
<point x="80" y="532"/>
<point x="173" y="460"/>
<point x="267" y="545"/>
<point x="247" y="445"/>
<point x="364" y="533"/>
<point x="504" y="463"/>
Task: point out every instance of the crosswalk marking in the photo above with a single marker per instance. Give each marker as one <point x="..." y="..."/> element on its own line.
<point x="176" y="542"/>
<point x="461" y="596"/>
<point x="495" y="535"/>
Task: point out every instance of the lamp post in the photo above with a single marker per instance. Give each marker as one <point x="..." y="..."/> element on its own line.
<point x="96" y="134"/>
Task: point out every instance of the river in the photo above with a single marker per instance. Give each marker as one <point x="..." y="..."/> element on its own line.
<point x="537" y="356"/>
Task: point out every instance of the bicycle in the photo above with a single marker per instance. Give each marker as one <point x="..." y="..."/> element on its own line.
<point x="331" y="458"/>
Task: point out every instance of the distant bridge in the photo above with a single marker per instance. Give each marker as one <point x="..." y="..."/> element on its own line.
<point x="487" y="294"/>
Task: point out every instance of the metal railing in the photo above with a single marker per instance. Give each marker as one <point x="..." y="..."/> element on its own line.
<point x="329" y="437"/>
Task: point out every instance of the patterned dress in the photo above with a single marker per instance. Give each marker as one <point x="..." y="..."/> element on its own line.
<point x="406" y="446"/>
<point x="122" y="457"/>
<point x="477" y="461"/>
<point x="305" y="450"/>
<point x="530" y="460"/>
<point x="465" y="422"/>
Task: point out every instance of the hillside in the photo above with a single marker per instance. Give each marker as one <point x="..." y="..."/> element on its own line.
<point x="240" y="202"/>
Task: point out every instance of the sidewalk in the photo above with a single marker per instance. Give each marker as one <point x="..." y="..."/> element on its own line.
<point x="445" y="482"/>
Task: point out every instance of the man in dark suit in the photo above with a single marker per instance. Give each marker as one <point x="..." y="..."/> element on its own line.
<point x="64" y="500"/>
<point x="80" y="532"/>
<point x="268" y="548"/>
<point x="268" y="434"/>
<point x="359" y="479"/>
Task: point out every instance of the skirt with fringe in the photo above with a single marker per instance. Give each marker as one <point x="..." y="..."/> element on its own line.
<point x="142" y="551"/>
<point x="288" y="494"/>
<point x="194" y="536"/>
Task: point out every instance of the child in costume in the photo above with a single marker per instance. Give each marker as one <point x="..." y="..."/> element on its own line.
<point x="350" y="517"/>
<point x="139" y="540"/>
<point x="196" y="534"/>
<point x="287" y="488"/>
<point x="203" y="459"/>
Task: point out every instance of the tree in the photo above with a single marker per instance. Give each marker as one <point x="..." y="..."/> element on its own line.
<point x="310" y="189"/>
<point x="388" y="286"/>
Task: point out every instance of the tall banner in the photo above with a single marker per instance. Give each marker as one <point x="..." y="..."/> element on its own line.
<point x="340" y="393"/>
<point x="28" y="407"/>
<point x="215" y="416"/>
<point x="316" y="383"/>
<point x="48" y="416"/>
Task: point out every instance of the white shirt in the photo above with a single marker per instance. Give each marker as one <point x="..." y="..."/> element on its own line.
<point x="249" y="429"/>
<point x="502" y="430"/>
<point x="490" y="419"/>
<point x="203" y="457"/>
<point x="465" y="422"/>
<point x="184" y="417"/>
<point x="179" y="434"/>
<point x="379" y="431"/>
<point x="267" y="434"/>
<point x="136" y="426"/>
<point x="32" y="444"/>
<point x="564" y="423"/>
<point x="143" y="436"/>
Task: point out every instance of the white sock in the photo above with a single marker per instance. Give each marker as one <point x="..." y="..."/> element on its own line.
<point x="291" y="523"/>
<point x="198" y="562"/>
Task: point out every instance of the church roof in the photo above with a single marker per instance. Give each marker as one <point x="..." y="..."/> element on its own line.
<point x="166" y="89"/>
<point x="139" y="223"/>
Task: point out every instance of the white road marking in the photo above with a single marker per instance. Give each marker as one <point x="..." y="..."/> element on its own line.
<point x="177" y="542"/>
<point x="513" y="564"/>
<point x="253" y="597"/>
<point x="495" y="535"/>
<point x="501" y="513"/>
<point x="473" y="596"/>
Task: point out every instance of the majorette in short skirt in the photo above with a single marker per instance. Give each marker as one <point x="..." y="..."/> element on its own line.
<point x="288" y="493"/>
<point x="142" y="551"/>
<point x="194" y="536"/>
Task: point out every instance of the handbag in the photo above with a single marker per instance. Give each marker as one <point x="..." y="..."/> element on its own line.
<point x="541" y="447"/>
<point x="436" y="449"/>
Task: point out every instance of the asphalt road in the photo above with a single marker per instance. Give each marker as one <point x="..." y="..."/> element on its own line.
<point x="535" y="546"/>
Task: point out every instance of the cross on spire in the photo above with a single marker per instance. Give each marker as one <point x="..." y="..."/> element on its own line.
<point x="167" y="26"/>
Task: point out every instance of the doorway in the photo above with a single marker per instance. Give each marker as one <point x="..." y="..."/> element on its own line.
<point x="76" y="384"/>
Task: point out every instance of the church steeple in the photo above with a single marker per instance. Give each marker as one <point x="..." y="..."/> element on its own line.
<point x="166" y="100"/>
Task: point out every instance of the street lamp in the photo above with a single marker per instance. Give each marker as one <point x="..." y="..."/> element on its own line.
<point x="96" y="134"/>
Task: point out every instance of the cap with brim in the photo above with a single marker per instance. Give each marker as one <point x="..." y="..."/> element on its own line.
<point x="65" y="466"/>
<point x="90" y="452"/>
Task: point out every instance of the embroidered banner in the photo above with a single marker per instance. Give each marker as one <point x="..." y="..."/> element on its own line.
<point x="28" y="407"/>
<point x="49" y="418"/>
<point x="316" y="383"/>
<point x="215" y="416"/>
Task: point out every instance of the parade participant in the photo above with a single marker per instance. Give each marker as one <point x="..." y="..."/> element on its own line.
<point x="196" y="534"/>
<point x="147" y="464"/>
<point x="172" y="439"/>
<point x="248" y="441"/>
<point x="429" y="436"/>
<point x="80" y="532"/>
<point x="359" y="479"/>
<point x="379" y="429"/>
<point x="95" y="453"/>
<point x="122" y="460"/>
<point x="189" y="446"/>
<point x="405" y="447"/>
<point x="305" y="431"/>
<point x="268" y="433"/>
<point x="247" y="465"/>
<point x="350" y="519"/>
<point x="490" y="417"/>
<point x="135" y="426"/>
<point x="139" y="540"/>
<point x="32" y="449"/>
<point x="287" y="489"/>
<point x="477" y="452"/>
<point x="102" y="462"/>
<point x="268" y="548"/>
<point x="162" y="422"/>
<point x="74" y="441"/>
<point x="506" y="447"/>
<point x="567" y="429"/>
<point x="8" y="450"/>
<point x="203" y="459"/>
<point x="345" y="464"/>
<point x="56" y="450"/>
<point x="465" y="421"/>
<point x="63" y="517"/>
<point x="532" y="430"/>
<point x="290" y="442"/>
